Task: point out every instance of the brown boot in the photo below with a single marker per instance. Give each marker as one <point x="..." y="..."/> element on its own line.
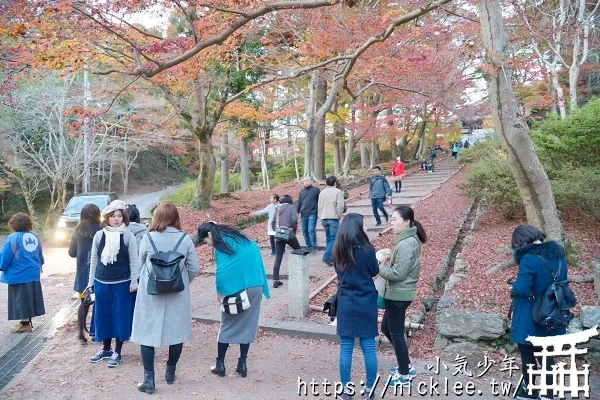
<point x="22" y="327"/>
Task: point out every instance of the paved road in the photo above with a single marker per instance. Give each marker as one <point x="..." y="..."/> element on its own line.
<point x="146" y="202"/>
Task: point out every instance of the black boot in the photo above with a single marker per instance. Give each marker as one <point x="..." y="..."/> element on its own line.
<point x="241" y="368"/>
<point x="170" y="374"/>
<point x="218" y="369"/>
<point x="81" y="314"/>
<point x="148" y="384"/>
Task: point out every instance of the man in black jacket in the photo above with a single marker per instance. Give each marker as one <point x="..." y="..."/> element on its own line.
<point x="307" y="207"/>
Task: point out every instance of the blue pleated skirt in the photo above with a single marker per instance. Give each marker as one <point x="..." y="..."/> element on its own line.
<point x="113" y="311"/>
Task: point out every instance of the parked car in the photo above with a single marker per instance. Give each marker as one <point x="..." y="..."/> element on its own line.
<point x="72" y="212"/>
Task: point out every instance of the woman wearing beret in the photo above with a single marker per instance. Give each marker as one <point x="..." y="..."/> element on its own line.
<point x="114" y="278"/>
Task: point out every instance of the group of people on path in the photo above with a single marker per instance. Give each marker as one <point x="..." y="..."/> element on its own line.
<point x="114" y="253"/>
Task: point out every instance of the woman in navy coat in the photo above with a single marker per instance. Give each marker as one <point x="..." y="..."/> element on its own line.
<point x="356" y="265"/>
<point x="530" y="252"/>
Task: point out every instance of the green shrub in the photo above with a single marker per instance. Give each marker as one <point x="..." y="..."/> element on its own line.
<point x="574" y="140"/>
<point x="578" y="189"/>
<point x="235" y="181"/>
<point x="182" y="197"/>
<point x="492" y="178"/>
<point x="287" y="173"/>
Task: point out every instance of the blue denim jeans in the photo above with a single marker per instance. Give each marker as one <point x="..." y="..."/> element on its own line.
<point x="378" y="204"/>
<point x="309" y="231"/>
<point x="369" y="355"/>
<point x="331" y="227"/>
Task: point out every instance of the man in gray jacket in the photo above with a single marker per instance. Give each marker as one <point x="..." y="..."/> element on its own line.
<point x="331" y="209"/>
<point x="379" y="189"/>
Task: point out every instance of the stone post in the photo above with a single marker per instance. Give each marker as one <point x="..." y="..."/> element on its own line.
<point x="298" y="284"/>
<point x="597" y="279"/>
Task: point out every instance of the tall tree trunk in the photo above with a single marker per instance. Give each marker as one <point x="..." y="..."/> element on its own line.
<point x="364" y="155"/>
<point x="421" y="152"/>
<point x="208" y="166"/>
<point x="224" y="162"/>
<point x="337" y="143"/>
<point x="512" y="131"/>
<point x="350" y="144"/>
<point x="263" y="163"/>
<point x="320" y="98"/>
<point x="404" y="151"/>
<point x="376" y="158"/>
<point x="244" y="166"/>
<point x="349" y="152"/>
<point x="110" y="174"/>
<point x="392" y="134"/>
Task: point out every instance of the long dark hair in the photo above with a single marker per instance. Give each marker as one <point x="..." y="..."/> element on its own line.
<point x="408" y="214"/>
<point x="218" y="232"/>
<point x="89" y="217"/>
<point x="349" y="235"/>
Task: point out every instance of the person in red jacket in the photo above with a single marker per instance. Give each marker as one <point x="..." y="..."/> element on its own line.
<point x="398" y="173"/>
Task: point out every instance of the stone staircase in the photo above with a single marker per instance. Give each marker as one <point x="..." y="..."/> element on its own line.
<point x="416" y="186"/>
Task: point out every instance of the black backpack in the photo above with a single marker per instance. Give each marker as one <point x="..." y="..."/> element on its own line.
<point x="553" y="309"/>
<point x="164" y="276"/>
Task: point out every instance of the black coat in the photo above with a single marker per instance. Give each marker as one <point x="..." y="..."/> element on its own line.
<point x="357" y="300"/>
<point x="81" y="248"/>
<point x="308" y="201"/>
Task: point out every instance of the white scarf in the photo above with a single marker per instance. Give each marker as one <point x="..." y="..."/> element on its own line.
<point x="112" y="243"/>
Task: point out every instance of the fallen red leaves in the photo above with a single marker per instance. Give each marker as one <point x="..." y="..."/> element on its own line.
<point x="490" y="292"/>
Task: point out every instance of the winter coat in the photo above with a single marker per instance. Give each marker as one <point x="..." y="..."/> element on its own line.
<point x="398" y="168"/>
<point x="379" y="187"/>
<point x="331" y="203"/>
<point x="21" y="259"/>
<point x="287" y="216"/>
<point x="357" y="299"/>
<point x="270" y="211"/>
<point x="403" y="274"/>
<point x="308" y="201"/>
<point x="164" y="319"/>
<point x="81" y="247"/>
<point x="138" y="230"/>
<point x="533" y="279"/>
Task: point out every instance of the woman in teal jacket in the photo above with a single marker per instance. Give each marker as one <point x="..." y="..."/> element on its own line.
<point x="239" y="267"/>
<point x="21" y="263"/>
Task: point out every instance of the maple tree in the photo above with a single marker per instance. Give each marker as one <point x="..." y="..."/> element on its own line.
<point x="200" y="67"/>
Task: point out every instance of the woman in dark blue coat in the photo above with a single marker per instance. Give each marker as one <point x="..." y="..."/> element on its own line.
<point x="356" y="265"/>
<point x="530" y="252"/>
<point x="80" y="246"/>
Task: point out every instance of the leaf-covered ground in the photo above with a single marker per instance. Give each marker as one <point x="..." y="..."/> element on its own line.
<point x="491" y="245"/>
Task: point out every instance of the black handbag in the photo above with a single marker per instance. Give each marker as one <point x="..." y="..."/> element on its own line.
<point x="331" y="303"/>
<point x="164" y="275"/>
<point x="281" y="232"/>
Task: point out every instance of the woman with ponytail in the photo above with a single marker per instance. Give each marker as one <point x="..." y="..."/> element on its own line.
<point x="401" y="288"/>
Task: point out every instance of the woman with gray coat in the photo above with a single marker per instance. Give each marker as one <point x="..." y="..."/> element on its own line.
<point x="164" y="319"/>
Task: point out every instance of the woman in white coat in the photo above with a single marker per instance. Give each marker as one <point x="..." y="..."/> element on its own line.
<point x="163" y="319"/>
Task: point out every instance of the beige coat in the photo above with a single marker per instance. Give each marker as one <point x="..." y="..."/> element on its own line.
<point x="331" y="203"/>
